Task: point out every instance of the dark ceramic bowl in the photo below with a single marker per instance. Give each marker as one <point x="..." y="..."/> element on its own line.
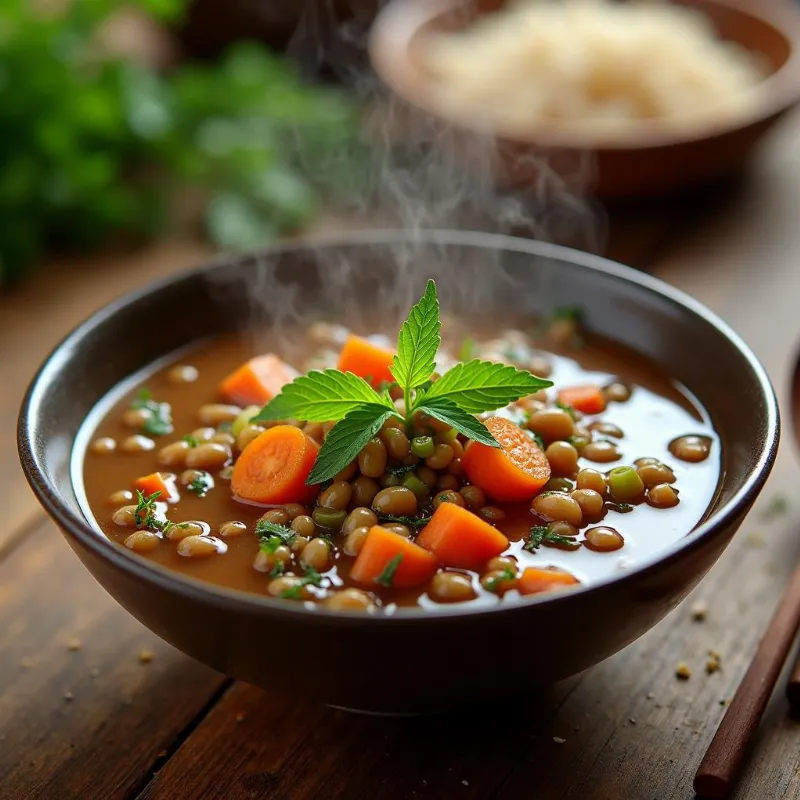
<point x="334" y="656"/>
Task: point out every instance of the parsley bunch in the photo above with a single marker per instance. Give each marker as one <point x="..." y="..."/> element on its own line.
<point x="467" y="389"/>
<point x="99" y="147"/>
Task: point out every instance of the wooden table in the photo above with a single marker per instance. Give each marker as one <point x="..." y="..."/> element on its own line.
<point x="95" y="706"/>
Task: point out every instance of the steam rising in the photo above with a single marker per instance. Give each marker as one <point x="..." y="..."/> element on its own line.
<point x="424" y="174"/>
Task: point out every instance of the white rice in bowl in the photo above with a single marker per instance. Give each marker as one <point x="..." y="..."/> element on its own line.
<point x="609" y="67"/>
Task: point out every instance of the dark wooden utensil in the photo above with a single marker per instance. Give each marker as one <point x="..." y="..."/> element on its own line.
<point x="717" y="772"/>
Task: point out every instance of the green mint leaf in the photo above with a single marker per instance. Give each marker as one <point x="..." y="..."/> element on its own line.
<point x="445" y="410"/>
<point x="418" y="342"/>
<point x="320" y="397"/>
<point x="347" y="438"/>
<point x="192" y="441"/>
<point x="477" y="386"/>
<point x="386" y="578"/>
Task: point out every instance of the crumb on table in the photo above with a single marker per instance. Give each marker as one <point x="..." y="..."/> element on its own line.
<point x="682" y="671"/>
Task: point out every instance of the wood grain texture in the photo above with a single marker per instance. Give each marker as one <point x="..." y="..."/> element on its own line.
<point x="89" y="723"/>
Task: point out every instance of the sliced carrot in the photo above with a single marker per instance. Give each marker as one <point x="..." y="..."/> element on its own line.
<point x="158" y="482"/>
<point x="366" y="360"/>
<point x="586" y="399"/>
<point x="544" y="579"/>
<point x="514" y="471"/>
<point x="390" y="559"/>
<point x="257" y="381"/>
<point x="273" y="468"/>
<point x="459" y="538"/>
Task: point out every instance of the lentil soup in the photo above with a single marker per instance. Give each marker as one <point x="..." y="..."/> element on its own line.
<point x="609" y="465"/>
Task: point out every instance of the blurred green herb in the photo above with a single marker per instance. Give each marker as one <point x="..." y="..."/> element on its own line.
<point x="159" y="419"/>
<point x="97" y="147"/>
<point x="541" y="534"/>
<point x="200" y="485"/>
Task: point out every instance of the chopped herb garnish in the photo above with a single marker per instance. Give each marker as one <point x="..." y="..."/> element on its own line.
<point x="310" y="578"/>
<point x="574" y="313"/>
<point x="412" y="522"/>
<point x="145" y="512"/>
<point x="565" y="321"/>
<point x="400" y="470"/>
<point x="200" y="485"/>
<point x="541" y="534"/>
<point x="508" y="574"/>
<point x="536" y="438"/>
<point x="386" y="578"/>
<point x="622" y="508"/>
<point x="166" y="526"/>
<point x="277" y="570"/>
<point x="159" y="419"/>
<point x="564" y="407"/>
<point x="272" y="535"/>
<point x="192" y="441"/>
<point x="469" y="388"/>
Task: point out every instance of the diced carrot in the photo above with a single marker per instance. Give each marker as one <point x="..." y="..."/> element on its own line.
<point x="459" y="538"/>
<point x="273" y="468"/>
<point x="515" y="471"/>
<point x="257" y="381"/>
<point x="158" y="482"/>
<point x="538" y="579"/>
<point x="366" y="360"/>
<point x="390" y="559"/>
<point x="586" y="399"/>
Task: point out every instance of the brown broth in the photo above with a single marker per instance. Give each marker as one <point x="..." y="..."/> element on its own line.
<point x="657" y="412"/>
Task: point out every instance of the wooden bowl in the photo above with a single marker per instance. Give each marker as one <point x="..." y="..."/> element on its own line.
<point x="653" y="160"/>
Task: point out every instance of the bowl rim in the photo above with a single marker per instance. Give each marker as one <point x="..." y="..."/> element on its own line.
<point x="169" y="580"/>
<point x="400" y="21"/>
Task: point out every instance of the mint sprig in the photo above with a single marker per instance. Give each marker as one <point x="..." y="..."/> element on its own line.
<point x="477" y="386"/>
<point x="360" y="411"/>
<point x="322" y="396"/>
<point x="346" y="440"/>
<point x="417" y="344"/>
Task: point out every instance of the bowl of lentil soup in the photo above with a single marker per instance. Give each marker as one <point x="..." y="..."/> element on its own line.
<point x="509" y="461"/>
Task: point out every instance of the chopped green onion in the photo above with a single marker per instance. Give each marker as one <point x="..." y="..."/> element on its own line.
<point x="412" y="482"/>
<point x="245" y="415"/>
<point x="422" y="446"/>
<point x="331" y="519"/>
<point x="625" y="484"/>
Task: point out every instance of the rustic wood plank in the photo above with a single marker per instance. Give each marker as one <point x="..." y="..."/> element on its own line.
<point x="93" y="721"/>
<point x="278" y="747"/>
